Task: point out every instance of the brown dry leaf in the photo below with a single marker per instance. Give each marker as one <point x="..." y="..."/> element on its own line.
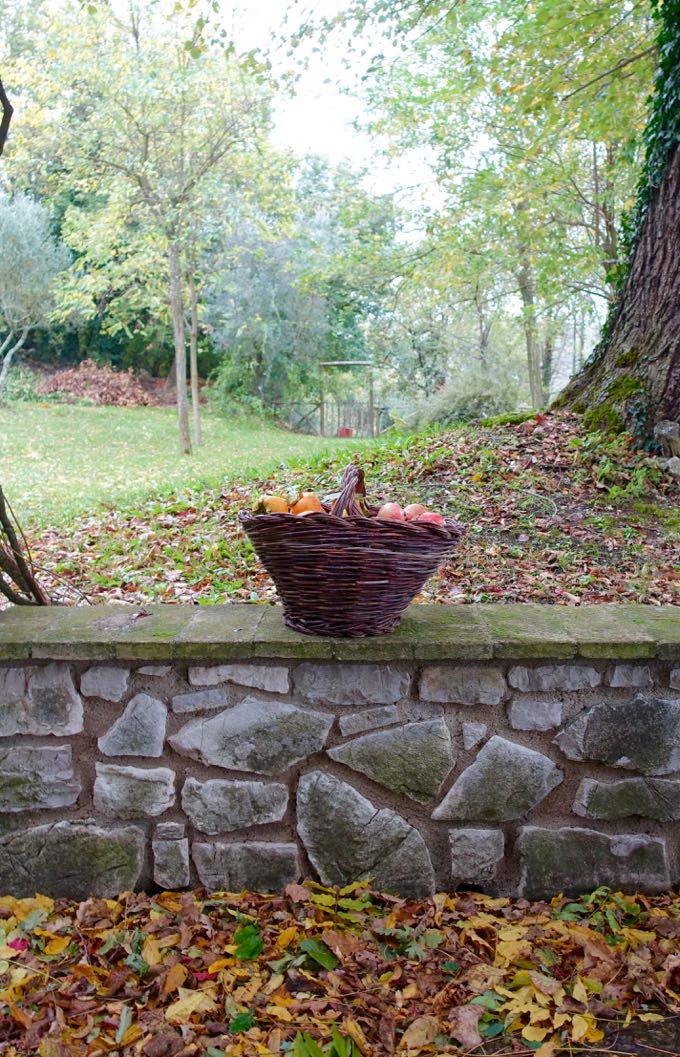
<point x="176" y="976"/>
<point x="420" y="1034"/>
<point x="464" y="1025"/>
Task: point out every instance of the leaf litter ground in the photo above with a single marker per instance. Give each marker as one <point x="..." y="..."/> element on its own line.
<point x="321" y="972"/>
<point x="551" y="515"/>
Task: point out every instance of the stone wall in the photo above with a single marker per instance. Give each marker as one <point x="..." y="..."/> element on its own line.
<point x="518" y="749"/>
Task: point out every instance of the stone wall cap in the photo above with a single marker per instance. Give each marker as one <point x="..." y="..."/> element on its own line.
<point x="478" y="632"/>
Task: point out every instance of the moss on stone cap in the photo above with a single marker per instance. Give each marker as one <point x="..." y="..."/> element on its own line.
<point x="426" y="633"/>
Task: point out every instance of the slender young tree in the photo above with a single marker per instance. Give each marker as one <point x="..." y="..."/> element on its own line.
<point x="156" y="113"/>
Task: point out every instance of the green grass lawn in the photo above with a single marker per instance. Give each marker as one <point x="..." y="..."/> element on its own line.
<point x="59" y="460"/>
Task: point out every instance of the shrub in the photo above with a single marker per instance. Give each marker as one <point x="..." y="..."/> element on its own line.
<point x="473" y="392"/>
<point x="21" y="386"/>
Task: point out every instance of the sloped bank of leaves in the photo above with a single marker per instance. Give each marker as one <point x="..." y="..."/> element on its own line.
<point x="341" y="973"/>
<point x="551" y="515"/>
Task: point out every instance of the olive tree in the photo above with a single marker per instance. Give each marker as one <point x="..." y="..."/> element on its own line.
<point x="31" y="261"/>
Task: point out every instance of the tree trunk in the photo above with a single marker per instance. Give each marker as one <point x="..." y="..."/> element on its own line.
<point x="547" y="363"/>
<point x="9" y="356"/>
<point x="175" y="290"/>
<point x="526" y="288"/>
<point x="484" y="329"/>
<point x="632" y="381"/>
<point x="193" y="356"/>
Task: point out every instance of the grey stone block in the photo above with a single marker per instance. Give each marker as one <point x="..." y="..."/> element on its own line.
<point x="350" y="684"/>
<point x="170" y="830"/>
<point x="656" y="798"/>
<point x="505" y="781"/>
<point x="641" y="734"/>
<point x="140" y="731"/>
<point x="133" y="792"/>
<point x="258" y="676"/>
<point x="39" y="701"/>
<point x="412" y="760"/>
<point x="554" y="677"/>
<point x="632" y="675"/>
<point x="105" y="681"/>
<point x="265" y="737"/>
<point x="578" y="860"/>
<point x="473" y="733"/>
<point x="171" y="868"/>
<point x="347" y="838"/>
<point x="34" y="777"/>
<point x="200" y="699"/>
<point x="369" y="719"/>
<point x="256" y="866"/>
<point x="475" y="853"/>
<point x="71" y="859"/>
<point x="463" y="685"/>
<point x="531" y="713"/>
<point x="156" y="670"/>
<point x="218" y="806"/>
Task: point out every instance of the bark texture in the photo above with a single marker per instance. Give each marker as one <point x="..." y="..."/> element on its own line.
<point x="633" y="381"/>
<point x="180" y="346"/>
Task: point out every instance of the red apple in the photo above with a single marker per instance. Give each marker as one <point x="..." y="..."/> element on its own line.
<point x="432" y="518"/>
<point x="391" y="512"/>
<point x="413" y="511"/>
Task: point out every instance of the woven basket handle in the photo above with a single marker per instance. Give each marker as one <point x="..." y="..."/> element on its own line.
<point x="351" y="483"/>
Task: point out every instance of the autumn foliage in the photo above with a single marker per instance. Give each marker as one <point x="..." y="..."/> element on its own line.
<point x="344" y="973"/>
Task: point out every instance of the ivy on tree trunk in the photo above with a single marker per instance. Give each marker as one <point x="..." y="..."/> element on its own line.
<point x="632" y="380"/>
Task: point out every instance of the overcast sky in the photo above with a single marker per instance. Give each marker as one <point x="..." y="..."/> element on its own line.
<point x="320" y="118"/>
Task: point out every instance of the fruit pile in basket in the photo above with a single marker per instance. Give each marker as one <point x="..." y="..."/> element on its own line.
<point x="341" y="566"/>
<point x="309" y="503"/>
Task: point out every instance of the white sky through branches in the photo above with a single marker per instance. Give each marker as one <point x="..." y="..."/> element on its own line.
<point x="320" y="119"/>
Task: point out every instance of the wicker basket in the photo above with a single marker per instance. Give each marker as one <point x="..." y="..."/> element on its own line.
<point x="347" y="576"/>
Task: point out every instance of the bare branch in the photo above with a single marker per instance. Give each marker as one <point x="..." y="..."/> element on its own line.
<point x="7" y="111"/>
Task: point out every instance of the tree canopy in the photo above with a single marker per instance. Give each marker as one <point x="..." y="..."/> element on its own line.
<point x="195" y="240"/>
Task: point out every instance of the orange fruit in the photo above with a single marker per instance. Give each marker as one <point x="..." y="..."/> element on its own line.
<point x="274" y="504"/>
<point x="307" y="504"/>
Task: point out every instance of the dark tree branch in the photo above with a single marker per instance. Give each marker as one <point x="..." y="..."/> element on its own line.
<point x="7" y="111"/>
<point x="608" y="73"/>
<point x="13" y="563"/>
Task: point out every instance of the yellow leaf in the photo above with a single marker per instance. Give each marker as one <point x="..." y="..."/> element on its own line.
<point x="579" y="992"/>
<point x="21" y="908"/>
<point x="351" y="1028"/>
<point x="419" y="1034"/>
<point x="647" y="1017"/>
<point x="273" y="983"/>
<point x="188" y="1003"/>
<point x="221" y="963"/>
<point x="636" y="937"/>
<point x="177" y="974"/>
<point x="57" y="945"/>
<point x="583" y="1027"/>
<point x="150" y="952"/>
<point x="548" y="1049"/>
<point x="532" y="1033"/>
<point x="286" y="937"/>
<point x="411" y="991"/>
<point x="168" y="941"/>
<point x="279" y="1013"/>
